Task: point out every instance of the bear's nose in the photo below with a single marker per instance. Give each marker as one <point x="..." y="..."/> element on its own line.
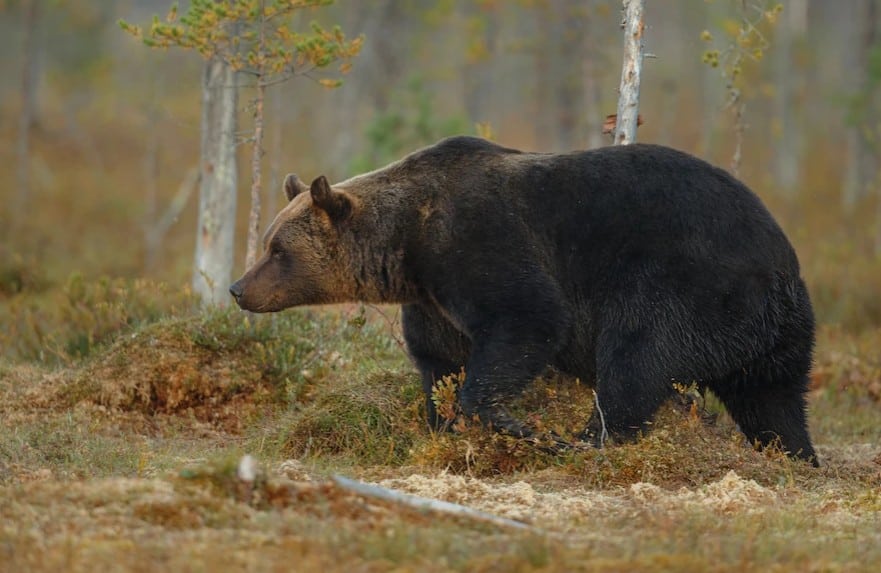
<point x="236" y="290"/>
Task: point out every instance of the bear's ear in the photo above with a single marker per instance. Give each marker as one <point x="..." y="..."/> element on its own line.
<point x="293" y="186"/>
<point x="335" y="203"/>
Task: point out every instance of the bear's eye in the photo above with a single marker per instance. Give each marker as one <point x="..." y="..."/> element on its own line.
<point x="276" y="253"/>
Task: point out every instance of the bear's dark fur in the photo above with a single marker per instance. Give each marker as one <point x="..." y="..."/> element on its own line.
<point x="633" y="267"/>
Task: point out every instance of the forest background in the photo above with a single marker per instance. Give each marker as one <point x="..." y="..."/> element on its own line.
<point x="114" y="127"/>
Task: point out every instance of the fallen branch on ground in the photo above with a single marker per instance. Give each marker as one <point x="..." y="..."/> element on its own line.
<point x="428" y="504"/>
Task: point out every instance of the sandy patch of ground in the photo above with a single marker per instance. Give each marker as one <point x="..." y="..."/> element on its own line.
<point x="568" y="508"/>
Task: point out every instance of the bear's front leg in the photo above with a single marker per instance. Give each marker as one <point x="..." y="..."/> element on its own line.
<point x="516" y="317"/>
<point x="436" y="347"/>
<point x="506" y="356"/>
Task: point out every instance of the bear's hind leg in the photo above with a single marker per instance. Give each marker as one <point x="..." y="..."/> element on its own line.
<point x="766" y="397"/>
<point x="630" y="387"/>
<point x="770" y="410"/>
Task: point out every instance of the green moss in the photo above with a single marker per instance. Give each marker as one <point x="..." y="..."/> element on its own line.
<point x="374" y="420"/>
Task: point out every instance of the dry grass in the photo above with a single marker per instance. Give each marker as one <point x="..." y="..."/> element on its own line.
<point x="127" y="460"/>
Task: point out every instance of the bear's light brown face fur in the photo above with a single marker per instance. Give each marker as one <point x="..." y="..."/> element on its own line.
<point x="302" y="262"/>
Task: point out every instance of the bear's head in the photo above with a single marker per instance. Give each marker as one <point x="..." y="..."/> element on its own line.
<point x="303" y="261"/>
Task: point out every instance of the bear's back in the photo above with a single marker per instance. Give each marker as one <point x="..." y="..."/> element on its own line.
<point x="639" y="200"/>
<point x="634" y="200"/>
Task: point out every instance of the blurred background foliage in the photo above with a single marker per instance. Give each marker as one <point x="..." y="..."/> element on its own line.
<point x="113" y="132"/>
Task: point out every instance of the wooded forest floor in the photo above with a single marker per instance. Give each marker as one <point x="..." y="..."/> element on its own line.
<point x="131" y="459"/>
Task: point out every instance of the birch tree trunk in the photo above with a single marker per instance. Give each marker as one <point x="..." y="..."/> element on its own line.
<point x="256" y="176"/>
<point x="218" y="180"/>
<point x="628" y="92"/>
<point x="273" y="191"/>
<point x="257" y="149"/>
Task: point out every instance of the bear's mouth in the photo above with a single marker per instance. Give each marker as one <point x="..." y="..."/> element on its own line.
<point x="244" y="304"/>
<point x="247" y="303"/>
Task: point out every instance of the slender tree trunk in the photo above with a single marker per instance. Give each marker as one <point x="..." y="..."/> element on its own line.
<point x="628" y="96"/>
<point x="256" y="176"/>
<point x="277" y="121"/>
<point x="218" y="181"/>
<point x="257" y="149"/>
<point x="28" y="106"/>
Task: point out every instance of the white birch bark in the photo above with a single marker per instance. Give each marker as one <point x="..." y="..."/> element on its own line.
<point x="218" y="180"/>
<point x="628" y="92"/>
<point x="273" y="192"/>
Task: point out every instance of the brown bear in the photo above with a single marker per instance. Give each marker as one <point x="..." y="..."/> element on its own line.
<point x="630" y="267"/>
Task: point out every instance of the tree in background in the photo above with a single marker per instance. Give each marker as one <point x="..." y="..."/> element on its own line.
<point x="218" y="181"/>
<point x="253" y="38"/>
<point x="628" y="94"/>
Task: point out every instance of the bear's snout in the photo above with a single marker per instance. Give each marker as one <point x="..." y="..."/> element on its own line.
<point x="236" y="290"/>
